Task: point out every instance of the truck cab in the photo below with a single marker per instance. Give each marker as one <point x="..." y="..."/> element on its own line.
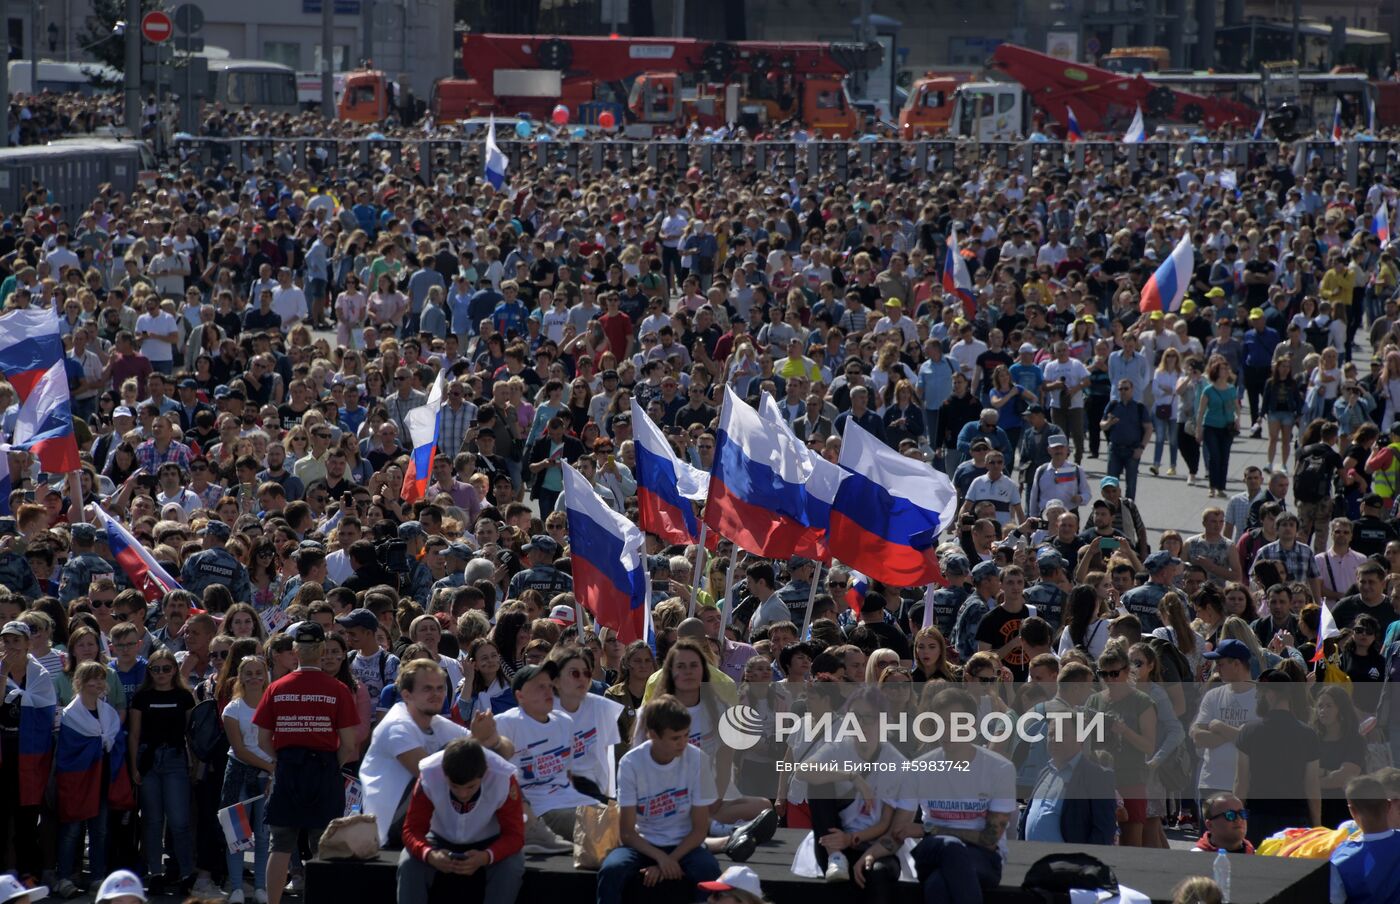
<point x="990" y="111"/>
<point x="367" y="97"/>
<point x="929" y="107"/>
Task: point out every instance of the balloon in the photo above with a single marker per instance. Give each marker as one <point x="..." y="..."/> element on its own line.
<point x="560" y="116"/>
<point x="606" y="119"/>
<point x="522" y="129"/>
<point x="580" y="132"/>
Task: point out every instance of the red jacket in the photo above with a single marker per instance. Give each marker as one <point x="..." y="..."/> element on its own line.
<point x="511" y="817"/>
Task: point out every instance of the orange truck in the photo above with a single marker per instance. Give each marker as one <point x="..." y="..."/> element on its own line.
<point x="657" y="85"/>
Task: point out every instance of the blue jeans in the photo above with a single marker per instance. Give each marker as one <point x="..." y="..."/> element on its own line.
<point x="70" y="836"/>
<point x="1163" y="432"/>
<point x="952" y="871"/>
<point x="244" y="782"/>
<point x="623" y="863"/>
<point x="165" y="799"/>
<point x="498" y="883"/>
<point x="163" y="367"/>
<point x="1122" y="462"/>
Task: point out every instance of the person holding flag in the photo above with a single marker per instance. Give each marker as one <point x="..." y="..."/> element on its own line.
<point x="1337" y="134"/>
<point x="665" y="485"/>
<point x="1137" y="129"/>
<point x="140" y="566"/>
<point x="494" y="160"/>
<point x="1166" y="287"/>
<point x="1072" y="130"/>
<point x="609" y="570"/>
<point x="422" y="423"/>
<point x="26" y="748"/>
<point x="957" y="281"/>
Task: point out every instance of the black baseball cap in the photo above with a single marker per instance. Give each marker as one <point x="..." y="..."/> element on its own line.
<point x="524" y="675"/>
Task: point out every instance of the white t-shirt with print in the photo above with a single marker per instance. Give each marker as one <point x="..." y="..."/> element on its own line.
<point x="957" y="799"/>
<point x="384" y="778"/>
<point x="664" y="794"/>
<point x="595" y="732"/>
<point x="543" y="759"/>
<point x="1234" y="709"/>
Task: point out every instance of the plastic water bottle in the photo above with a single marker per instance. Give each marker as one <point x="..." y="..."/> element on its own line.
<point x="1222" y="874"/>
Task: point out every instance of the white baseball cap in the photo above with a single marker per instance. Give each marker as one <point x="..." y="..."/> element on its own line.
<point x="11" y="888"/>
<point x="739" y="878"/>
<point x="122" y="882"/>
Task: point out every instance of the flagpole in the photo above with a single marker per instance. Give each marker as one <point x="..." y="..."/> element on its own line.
<point x="75" y="495"/>
<point x="811" y="599"/>
<point x="928" y="605"/>
<point x="699" y="568"/>
<point x="728" y="592"/>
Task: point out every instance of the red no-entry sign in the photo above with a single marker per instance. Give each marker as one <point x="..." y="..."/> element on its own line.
<point x="157" y="27"/>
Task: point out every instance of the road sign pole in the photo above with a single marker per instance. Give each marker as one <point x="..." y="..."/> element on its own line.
<point x="132" y="76"/>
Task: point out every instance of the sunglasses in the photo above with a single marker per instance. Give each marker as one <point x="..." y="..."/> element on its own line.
<point x="1109" y="673"/>
<point x="218" y="654"/>
<point x="160" y="669"/>
<point x="984" y="679"/>
<point x="101" y="604"/>
<point x="1230" y="815"/>
<point x="836" y="584"/>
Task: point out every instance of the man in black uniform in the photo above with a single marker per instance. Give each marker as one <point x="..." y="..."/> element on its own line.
<point x="541" y="575"/>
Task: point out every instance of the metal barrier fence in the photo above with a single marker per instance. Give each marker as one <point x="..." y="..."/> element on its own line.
<point x="898" y="160"/>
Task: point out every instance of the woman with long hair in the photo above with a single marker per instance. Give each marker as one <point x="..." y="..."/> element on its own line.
<point x="489" y="691"/>
<point x="160" y="767"/>
<point x="335" y="661"/>
<point x="1171" y="709"/>
<point x="87" y="715"/>
<point x="903" y="417"/>
<point x="85" y="645"/>
<point x="1133" y="740"/>
<point x="241" y="620"/>
<point x="1176" y="630"/>
<point x="511" y="634"/>
<point x="1362" y="661"/>
<point x="265" y="574"/>
<point x="1343" y="754"/>
<point x="351" y="308"/>
<point x="1388" y="389"/>
<point x="1239" y="601"/>
<point x="1281" y="405"/>
<point x="1234" y="628"/>
<point x="248" y="771"/>
<point x="637" y="665"/>
<point x="1165" y="405"/>
<point x="931" y="656"/>
<point x="1084" y="630"/>
<point x="1188" y="398"/>
<point x="1217" y="422"/>
<point x="1009" y="400"/>
<point x="685" y="675"/>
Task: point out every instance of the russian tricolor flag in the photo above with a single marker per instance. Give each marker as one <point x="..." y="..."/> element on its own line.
<point x="83" y="739"/>
<point x="31" y="359"/>
<point x="495" y="161"/>
<point x="1259" y="128"/>
<point x="757" y="494"/>
<point x="957" y="281"/>
<point x="1326" y="629"/>
<point x="1137" y="129"/>
<point x="1380" y="223"/>
<point x="237" y="822"/>
<point x="1072" y="129"/>
<point x="38" y="701"/>
<point x="665" y="485"/>
<point x="821" y="481"/>
<point x="422" y="424"/>
<point x="889" y="511"/>
<point x="610" y="576"/>
<point x="142" y="569"/>
<point x="1167" y="287"/>
<point x="856" y="590"/>
<point x="1337" y="122"/>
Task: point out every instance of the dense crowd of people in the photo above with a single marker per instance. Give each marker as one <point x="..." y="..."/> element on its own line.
<point x="244" y="351"/>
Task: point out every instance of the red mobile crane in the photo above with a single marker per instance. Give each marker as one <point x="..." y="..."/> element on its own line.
<point x="661" y="84"/>
<point x="1102" y="101"/>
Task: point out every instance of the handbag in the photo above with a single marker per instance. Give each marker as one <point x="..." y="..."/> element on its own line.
<point x="350" y="838"/>
<point x="1163" y="412"/>
<point x="597" y="830"/>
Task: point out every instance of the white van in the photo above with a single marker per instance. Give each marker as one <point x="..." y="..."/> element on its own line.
<point x="62" y="78"/>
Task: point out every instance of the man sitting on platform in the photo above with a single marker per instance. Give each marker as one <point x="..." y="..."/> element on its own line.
<point x="465" y="818"/>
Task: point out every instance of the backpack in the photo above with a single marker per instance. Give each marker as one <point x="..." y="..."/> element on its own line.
<point x="1312" y="476"/>
<point x="206" y="734"/>
<point x="1315" y="335"/>
<point x="1054" y="875"/>
<point x="383" y="664"/>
